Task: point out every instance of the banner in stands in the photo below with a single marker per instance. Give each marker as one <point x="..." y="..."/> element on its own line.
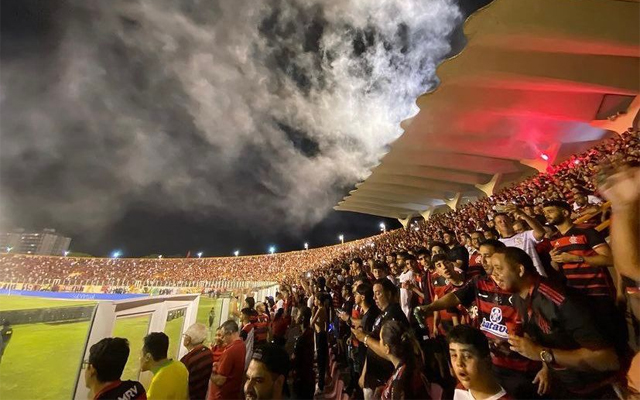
<point x="74" y="296"/>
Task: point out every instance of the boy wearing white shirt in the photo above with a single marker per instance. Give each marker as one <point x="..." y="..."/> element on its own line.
<point x="471" y="362"/>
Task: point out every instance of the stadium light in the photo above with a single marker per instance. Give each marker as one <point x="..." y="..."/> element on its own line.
<point x="272" y="249"/>
<point x="116" y="254"/>
<point x="306" y="246"/>
<point x="200" y="255"/>
<point x="341" y="237"/>
<point x="66" y="253"/>
<point x="383" y="227"/>
<point x="544" y="156"/>
<point x="236" y="253"/>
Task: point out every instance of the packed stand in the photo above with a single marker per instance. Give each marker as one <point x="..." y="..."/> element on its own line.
<point x="518" y="295"/>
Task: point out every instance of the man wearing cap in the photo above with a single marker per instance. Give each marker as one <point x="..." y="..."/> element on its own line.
<point x="267" y="373"/>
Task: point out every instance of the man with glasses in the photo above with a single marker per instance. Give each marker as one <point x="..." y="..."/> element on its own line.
<point x="103" y="369"/>
<point x="199" y="360"/>
<point x="226" y="381"/>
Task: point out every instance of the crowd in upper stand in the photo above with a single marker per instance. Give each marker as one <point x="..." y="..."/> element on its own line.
<point x="575" y="181"/>
<point x="532" y="293"/>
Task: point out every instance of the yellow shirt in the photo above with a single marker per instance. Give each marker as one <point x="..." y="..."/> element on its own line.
<point x="170" y="382"/>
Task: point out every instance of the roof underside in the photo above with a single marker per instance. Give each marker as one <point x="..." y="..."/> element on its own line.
<point x="536" y="77"/>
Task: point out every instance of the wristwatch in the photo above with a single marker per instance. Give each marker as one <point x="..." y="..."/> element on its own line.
<point x="546" y="355"/>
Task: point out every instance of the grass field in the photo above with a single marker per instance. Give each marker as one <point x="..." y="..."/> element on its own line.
<point x="42" y="360"/>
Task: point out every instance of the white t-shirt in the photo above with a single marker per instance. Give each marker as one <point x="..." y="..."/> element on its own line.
<point x="406" y="276"/>
<point x="527" y="242"/>
<point x="310" y="301"/>
<point x="591" y="199"/>
<point x="279" y="304"/>
<point x="463" y="394"/>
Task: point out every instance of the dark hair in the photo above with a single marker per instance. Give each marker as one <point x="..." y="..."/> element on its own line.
<point x="399" y="339"/>
<point x="305" y="312"/>
<point x="517" y="256"/>
<point x="468" y="335"/>
<point x="251" y="302"/>
<point x="108" y="357"/>
<point x="230" y="326"/>
<point x="279" y="313"/>
<point x="502" y="214"/>
<point x="366" y="290"/>
<point x="348" y="288"/>
<point x="249" y="312"/>
<point x="438" y="257"/>
<point x="493" y="231"/>
<point x="495" y="243"/>
<point x="380" y="265"/>
<point x="156" y="344"/>
<point x="409" y="257"/>
<point x="423" y="252"/>
<point x="388" y="287"/>
<point x="357" y="260"/>
<point x="322" y="282"/>
<point x="274" y="357"/>
<point x="557" y="203"/>
<point x="402" y="344"/>
<point x="449" y="232"/>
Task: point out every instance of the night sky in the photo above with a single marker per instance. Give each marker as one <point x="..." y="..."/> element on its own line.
<point x="162" y="126"/>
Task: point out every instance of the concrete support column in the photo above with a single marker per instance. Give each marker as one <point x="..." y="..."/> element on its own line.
<point x="453" y="203"/>
<point x="490" y="187"/>
<point x="426" y="214"/>
<point x="405" y="221"/>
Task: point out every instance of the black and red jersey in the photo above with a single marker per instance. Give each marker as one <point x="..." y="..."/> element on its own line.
<point x="588" y="279"/>
<point x="497" y="317"/>
<point x="556" y="317"/>
<point x="440" y="286"/>
<point x="404" y="384"/>
<point x="475" y="266"/>
<point x="131" y="390"/>
<point x="262" y="328"/>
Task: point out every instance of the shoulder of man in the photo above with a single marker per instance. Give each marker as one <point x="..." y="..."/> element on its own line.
<point x="132" y="390"/>
<point x="552" y="292"/>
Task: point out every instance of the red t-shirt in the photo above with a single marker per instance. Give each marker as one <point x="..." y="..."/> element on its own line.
<point x="231" y="366"/>
<point x="280" y="325"/>
<point x="217" y="352"/>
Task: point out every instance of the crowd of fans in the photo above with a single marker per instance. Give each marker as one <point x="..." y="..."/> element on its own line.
<point x="575" y="180"/>
<point x="520" y="295"/>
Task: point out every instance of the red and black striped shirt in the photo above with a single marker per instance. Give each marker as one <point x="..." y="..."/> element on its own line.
<point x="262" y="328"/>
<point x="199" y="362"/>
<point x="475" y="266"/>
<point x="588" y="279"/>
<point x="497" y="317"/>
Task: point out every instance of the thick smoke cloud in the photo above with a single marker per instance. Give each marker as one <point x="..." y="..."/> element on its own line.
<point x="262" y="111"/>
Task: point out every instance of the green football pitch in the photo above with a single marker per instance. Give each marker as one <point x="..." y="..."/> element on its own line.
<point x="42" y="360"/>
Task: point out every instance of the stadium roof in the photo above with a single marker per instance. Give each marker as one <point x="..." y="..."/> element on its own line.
<point x="538" y="81"/>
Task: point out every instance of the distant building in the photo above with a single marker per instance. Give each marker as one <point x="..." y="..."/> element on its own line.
<point x="45" y="242"/>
